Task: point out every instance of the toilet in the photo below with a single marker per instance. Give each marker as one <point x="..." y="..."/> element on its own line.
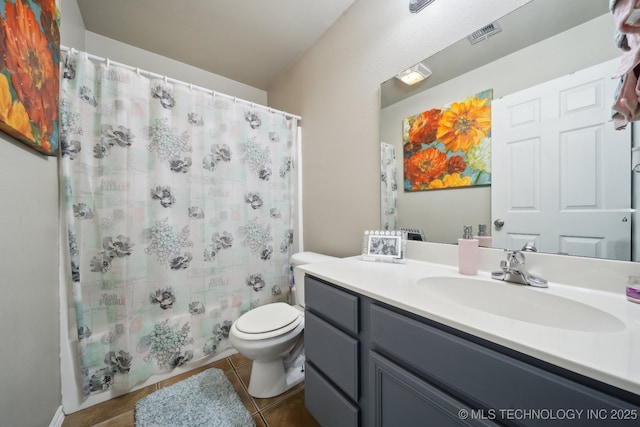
<point x="271" y="336"/>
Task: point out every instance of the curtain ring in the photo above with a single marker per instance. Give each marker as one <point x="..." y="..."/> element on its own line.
<point x="108" y="62"/>
<point x="165" y="80"/>
<point x="138" y="71"/>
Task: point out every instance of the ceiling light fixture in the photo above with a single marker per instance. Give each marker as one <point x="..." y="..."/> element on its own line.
<point x="414" y="75"/>
<point x="416" y="6"/>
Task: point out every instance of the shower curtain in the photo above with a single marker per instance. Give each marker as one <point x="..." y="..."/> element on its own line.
<point x="388" y="187"/>
<point x="179" y="211"/>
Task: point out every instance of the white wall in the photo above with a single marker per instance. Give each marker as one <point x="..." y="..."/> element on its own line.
<point x="442" y="213"/>
<point x="335" y="87"/>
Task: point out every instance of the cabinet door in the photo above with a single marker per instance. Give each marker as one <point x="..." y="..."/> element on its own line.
<point x="402" y="399"/>
<point x="487" y="378"/>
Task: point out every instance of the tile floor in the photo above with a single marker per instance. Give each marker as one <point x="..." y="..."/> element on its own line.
<point x="286" y="410"/>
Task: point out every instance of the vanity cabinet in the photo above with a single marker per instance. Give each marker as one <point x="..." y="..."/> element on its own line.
<point x="332" y="369"/>
<point x="397" y="368"/>
<point x="400" y="398"/>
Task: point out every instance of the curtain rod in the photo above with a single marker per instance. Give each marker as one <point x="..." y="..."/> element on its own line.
<point x="176" y="81"/>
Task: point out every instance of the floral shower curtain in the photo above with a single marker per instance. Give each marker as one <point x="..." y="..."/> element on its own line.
<point x="179" y="210"/>
<point x="388" y="187"/>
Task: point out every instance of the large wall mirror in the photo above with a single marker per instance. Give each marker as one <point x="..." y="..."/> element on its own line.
<point x="539" y="42"/>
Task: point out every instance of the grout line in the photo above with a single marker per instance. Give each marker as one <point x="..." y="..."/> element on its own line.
<point x="253" y="402"/>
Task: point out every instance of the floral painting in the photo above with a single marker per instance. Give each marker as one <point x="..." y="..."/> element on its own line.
<point x="449" y="147"/>
<point x="29" y="73"/>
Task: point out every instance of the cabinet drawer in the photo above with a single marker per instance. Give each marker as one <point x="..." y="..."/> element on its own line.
<point x="481" y="376"/>
<point x="333" y="352"/>
<point x="325" y="403"/>
<point x="402" y="399"/>
<point x="336" y="305"/>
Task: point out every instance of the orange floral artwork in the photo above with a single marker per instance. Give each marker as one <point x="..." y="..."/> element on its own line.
<point x="449" y="147"/>
<point x="29" y="72"/>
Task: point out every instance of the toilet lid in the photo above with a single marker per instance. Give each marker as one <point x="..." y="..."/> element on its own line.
<point x="267" y="318"/>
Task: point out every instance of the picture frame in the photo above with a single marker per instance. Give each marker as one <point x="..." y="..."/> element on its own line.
<point x="384" y="246"/>
<point x="449" y="147"/>
<point x="29" y="92"/>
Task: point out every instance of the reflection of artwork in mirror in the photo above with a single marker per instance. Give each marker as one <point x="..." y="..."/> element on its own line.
<point x="384" y="246"/>
<point x="449" y="147"/>
<point x="29" y="73"/>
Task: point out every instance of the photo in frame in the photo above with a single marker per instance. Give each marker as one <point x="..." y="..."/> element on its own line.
<point x="29" y="72"/>
<point x="384" y="245"/>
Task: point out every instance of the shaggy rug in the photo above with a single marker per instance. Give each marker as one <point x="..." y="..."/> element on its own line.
<point x="205" y="399"/>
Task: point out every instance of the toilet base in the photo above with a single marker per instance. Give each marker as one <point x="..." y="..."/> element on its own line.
<point x="268" y="379"/>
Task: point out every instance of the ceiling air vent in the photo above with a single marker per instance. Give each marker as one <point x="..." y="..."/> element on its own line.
<point x="484" y="33"/>
<point x="416" y="6"/>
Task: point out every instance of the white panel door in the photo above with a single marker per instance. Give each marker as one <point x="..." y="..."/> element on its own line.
<point x="561" y="172"/>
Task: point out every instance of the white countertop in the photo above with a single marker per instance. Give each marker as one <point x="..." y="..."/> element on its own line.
<point x="610" y="357"/>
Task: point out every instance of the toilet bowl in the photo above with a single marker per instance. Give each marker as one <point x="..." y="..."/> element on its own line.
<point x="273" y="333"/>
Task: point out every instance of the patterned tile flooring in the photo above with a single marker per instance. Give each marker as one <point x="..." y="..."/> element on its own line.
<point x="286" y="410"/>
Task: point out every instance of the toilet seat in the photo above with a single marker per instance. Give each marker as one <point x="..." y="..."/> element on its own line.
<point x="267" y="321"/>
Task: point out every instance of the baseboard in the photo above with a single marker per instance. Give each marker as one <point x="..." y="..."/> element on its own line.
<point x="58" y="418"/>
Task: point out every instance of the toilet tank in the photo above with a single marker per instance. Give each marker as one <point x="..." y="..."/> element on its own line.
<point x="301" y="258"/>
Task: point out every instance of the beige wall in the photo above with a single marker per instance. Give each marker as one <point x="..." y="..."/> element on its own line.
<point x="335" y="88"/>
<point x="126" y="54"/>
<point x="29" y="335"/>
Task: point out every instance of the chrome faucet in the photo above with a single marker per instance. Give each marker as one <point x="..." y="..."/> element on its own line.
<point x="513" y="270"/>
<point x="530" y="246"/>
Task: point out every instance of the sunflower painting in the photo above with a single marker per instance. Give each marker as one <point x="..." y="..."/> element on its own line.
<point x="449" y="147"/>
<point x="29" y="73"/>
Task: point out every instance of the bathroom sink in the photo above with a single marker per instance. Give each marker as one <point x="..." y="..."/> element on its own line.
<point x="523" y="303"/>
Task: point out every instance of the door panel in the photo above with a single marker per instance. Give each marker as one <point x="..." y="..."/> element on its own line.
<point x="561" y="172"/>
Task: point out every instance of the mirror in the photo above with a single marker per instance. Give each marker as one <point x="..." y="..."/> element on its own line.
<point x="541" y="41"/>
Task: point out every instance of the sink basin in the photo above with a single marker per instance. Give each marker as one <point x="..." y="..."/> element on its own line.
<point x="521" y="303"/>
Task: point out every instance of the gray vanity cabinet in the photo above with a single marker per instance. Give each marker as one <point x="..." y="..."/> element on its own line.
<point x="332" y="382"/>
<point x="370" y="364"/>
<point x="500" y="387"/>
<point x="400" y="398"/>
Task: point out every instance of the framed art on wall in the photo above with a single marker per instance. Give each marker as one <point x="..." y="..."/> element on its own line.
<point x="29" y="72"/>
<point x="450" y="146"/>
